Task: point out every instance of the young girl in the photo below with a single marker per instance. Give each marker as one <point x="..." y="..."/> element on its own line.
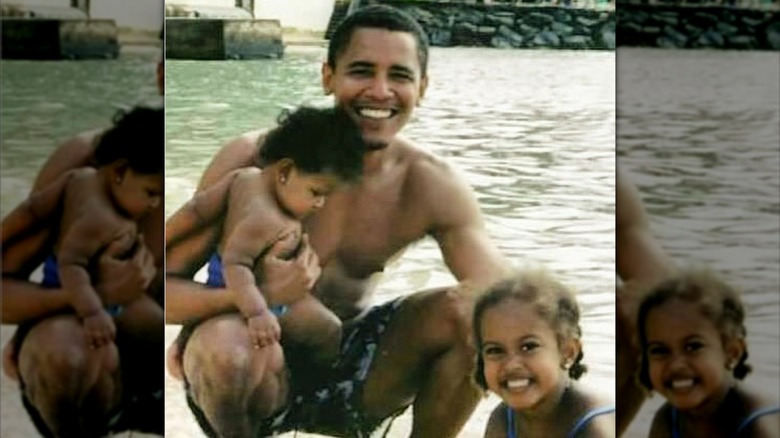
<point x="528" y="336"/>
<point x="96" y="208"/>
<point x="308" y="156"/>
<point x="692" y="335"/>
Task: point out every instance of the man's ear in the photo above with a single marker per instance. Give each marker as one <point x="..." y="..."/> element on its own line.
<point x="327" y="78"/>
<point x="423" y="88"/>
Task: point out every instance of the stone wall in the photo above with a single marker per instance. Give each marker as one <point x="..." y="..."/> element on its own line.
<point x="509" y="26"/>
<point x="714" y="27"/>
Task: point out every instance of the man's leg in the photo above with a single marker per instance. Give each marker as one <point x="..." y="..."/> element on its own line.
<point x="140" y="338"/>
<point x="234" y="384"/>
<point x="426" y="355"/>
<point x="74" y="388"/>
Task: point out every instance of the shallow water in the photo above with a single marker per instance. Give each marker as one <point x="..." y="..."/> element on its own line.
<point x="532" y="131"/>
<point x="698" y="132"/>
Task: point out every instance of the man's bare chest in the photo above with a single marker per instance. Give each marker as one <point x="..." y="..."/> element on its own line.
<point x="361" y="233"/>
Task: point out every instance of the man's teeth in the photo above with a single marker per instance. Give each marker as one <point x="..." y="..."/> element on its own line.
<point x="682" y="383"/>
<point x="517" y="384"/>
<point x="375" y="113"/>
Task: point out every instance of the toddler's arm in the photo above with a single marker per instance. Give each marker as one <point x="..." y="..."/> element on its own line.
<point x="246" y="243"/>
<point x="82" y="243"/>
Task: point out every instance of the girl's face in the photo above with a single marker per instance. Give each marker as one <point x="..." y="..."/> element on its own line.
<point x="523" y="362"/>
<point x="302" y="194"/>
<point x="688" y="362"/>
<point x="137" y="193"/>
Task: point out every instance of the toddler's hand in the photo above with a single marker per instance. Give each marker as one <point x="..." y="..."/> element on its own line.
<point x="264" y="329"/>
<point x="99" y="329"/>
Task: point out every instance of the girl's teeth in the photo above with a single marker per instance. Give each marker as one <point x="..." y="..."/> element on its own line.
<point x="685" y="383"/>
<point x="517" y="384"/>
<point x="375" y="113"/>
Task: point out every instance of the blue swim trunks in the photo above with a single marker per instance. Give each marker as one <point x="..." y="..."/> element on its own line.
<point x="51" y="280"/>
<point x="217" y="279"/>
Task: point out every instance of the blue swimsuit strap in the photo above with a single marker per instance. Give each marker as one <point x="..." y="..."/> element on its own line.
<point x="510" y="423"/>
<point x="585" y="419"/>
<point x="755" y="415"/>
<point x="582" y="422"/>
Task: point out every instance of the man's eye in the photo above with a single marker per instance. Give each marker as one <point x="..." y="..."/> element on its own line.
<point x="361" y="72"/>
<point x="402" y="76"/>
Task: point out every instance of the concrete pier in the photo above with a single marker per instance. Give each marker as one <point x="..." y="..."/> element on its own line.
<point x="42" y="38"/>
<point x="214" y="39"/>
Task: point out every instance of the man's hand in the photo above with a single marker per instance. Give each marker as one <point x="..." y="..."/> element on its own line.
<point x="122" y="281"/>
<point x="287" y="281"/>
<point x="99" y="329"/>
<point x="264" y="329"/>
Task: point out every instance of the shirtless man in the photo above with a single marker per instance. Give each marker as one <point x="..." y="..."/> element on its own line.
<point x="48" y="354"/>
<point x="640" y="262"/>
<point x="415" y="350"/>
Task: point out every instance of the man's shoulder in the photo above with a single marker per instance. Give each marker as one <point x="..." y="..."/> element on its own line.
<point x="423" y="164"/>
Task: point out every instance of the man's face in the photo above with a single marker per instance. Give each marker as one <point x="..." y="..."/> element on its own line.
<point x="378" y="81"/>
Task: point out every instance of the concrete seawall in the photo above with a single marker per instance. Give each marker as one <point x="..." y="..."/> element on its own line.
<point x="24" y="38"/>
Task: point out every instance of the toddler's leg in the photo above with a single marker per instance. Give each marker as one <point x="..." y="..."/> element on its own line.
<point x="311" y="328"/>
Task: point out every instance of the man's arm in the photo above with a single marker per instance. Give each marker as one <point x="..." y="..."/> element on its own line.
<point x="35" y="211"/>
<point x="457" y="225"/>
<point x="640" y="262"/>
<point x="73" y="153"/>
<point x="639" y="257"/>
<point x="205" y="207"/>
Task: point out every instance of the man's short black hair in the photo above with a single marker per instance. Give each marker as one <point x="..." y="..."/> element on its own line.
<point x="138" y="137"/>
<point x="317" y="140"/>
<point x="378" y="17"/>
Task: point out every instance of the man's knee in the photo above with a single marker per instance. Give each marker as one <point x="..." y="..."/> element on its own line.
<point x="230" y="379"/>
<point x="447" y="317"/>
<point x="223" y="352"/>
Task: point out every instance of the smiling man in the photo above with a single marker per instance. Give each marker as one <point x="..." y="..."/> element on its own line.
<point x="415" y="350"/>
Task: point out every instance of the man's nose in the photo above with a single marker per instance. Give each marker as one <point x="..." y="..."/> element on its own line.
<point x="380" y="88"/>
